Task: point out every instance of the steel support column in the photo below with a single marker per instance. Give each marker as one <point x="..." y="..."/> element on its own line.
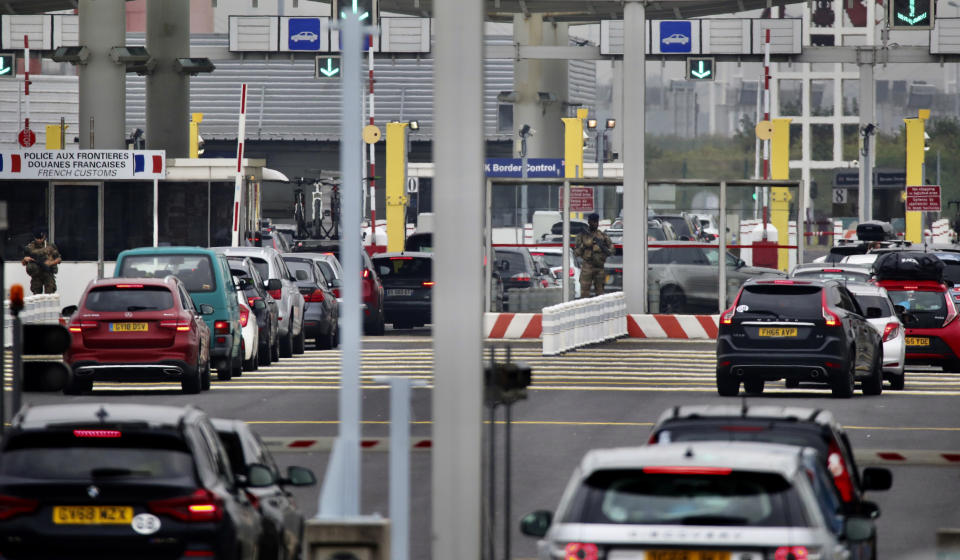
<point x="102" y="82"/>
<point x="868" y="118"/>
<point x="168" y="91"/>
<point x="634" y="174"/>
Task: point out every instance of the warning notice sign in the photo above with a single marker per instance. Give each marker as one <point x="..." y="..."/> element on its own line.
<point x="923" y="198"/>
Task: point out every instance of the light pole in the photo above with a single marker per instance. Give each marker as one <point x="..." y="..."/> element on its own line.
<point x="525" y="132"/>
<point x="600" y="140"/>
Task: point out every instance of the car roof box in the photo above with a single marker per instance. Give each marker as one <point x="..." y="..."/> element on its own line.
<point x="908" y="265"/>
<point x="875" y="231"/>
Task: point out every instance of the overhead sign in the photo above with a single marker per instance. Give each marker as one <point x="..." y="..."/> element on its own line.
<point x="911" y="14"/>
<point x="537" y="168"/>
<point x="923" y="198"/>
<point x="304" y="34"/>
<point x="145" y="165"/>
<point x="700" y="69"/>
<point x="581" y="199"/>
<point x="676" y="36"/>
<point x="327" y="67"/>
<point x="8" y="65"/>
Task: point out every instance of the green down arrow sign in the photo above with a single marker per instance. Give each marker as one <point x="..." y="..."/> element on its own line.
<point x="700" y="69"/>
<point x="7" y="65"/>
<point x="327" y="67"/>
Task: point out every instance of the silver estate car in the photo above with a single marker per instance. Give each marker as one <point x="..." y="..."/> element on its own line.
<point x="699" y="501"/>
<point x="890" y="327"/>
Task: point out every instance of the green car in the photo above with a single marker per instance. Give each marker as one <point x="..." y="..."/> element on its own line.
<point x="206" y="276"/>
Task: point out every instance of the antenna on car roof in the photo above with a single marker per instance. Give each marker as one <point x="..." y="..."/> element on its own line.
<point x="102" y="414"/>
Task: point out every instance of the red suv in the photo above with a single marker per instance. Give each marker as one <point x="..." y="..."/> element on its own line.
<point x="930" y="315"/>
<point x="138" y="329"/>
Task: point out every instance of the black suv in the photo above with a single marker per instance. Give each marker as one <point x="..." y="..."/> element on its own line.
<point x="121" y="481"/>
<point x="798" y="330"/>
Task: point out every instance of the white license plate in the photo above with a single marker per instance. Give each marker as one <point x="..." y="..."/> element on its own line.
<point x="399" y="292"/>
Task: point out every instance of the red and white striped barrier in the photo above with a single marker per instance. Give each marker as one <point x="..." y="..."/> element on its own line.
<point x="911" y="457"/>
<point x="512" y="325"/>
<point x="507" y="326"/>
<point x="325" y="443"/>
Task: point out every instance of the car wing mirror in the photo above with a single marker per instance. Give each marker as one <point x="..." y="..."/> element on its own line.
<point x="858" y="529"/>
<point x="274" y="284"/>
<point x="206" y="309"/>
<point x="536" y="524"/>
<point x="68" y="310"/>
<point x="299" y="476"/>
<point x="258" y="476"/>
<point x="259" y="304"/>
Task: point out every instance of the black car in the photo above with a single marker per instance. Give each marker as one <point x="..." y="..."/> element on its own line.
<point x="265" y="308"/>
<point x="321" y="314"/>
<point x="798" y="330"/>
<point x="422" y="242"/>
<point x="517" y="269"/>
<point x="282" y="536"/>
<point x="407" y="287"/>
<point x="121" y="481"/>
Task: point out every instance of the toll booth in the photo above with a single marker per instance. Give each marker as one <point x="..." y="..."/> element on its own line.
<point x="93" y="206"/>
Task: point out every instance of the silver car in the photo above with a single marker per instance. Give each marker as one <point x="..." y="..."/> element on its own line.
<point x="702" y="500"/>
<point x="269" y="264"/>
<point x="890" y="327"/>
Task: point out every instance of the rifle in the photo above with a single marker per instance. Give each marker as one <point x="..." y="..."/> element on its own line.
<point x="44" y="267"/>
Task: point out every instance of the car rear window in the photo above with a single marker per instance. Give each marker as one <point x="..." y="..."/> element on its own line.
<point x="96" y="454"/>
<point x="196" y="271"/>
<point x="951" y="266"/>
<point x="415" y="268"/>
<point x="782" y="300"/>
<point x="515" y="261"/>
<point x="263" y="268"/>
<point x="765" y="431"/>
<point x="928" y="308"/>
<point x="302" y="270"/>
<point x="329" y="274"/>
<point x="144" y="298"/>
<point x="881" y="302"/>
<point x="836" y="274"/>
<point x="659" y="496"/>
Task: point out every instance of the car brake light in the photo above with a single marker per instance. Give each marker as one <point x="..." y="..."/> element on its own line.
<point x="791" y="553"/>
<point x="521" y="277"/>
<point x="253" y="300"/>
<point x="829" y="316"/>
<point x="129" y="285"/>
<point x="891" y="331"/>
<point x="398" y="259"/>
<point x="182" y="326"/>
<point x="428" y="284"/>
<point x="201" y="506"/>
<point x="841" y="473"/>
<point x="336" y="292"/>
<point x="244" y="315"/>
<point x="832" y="270"/>
<point x="571" y="272"/>
<point x="97" y="433"/>
<point x="787" y="282"/>
<point x="83" y="326"/>
<point x="687" y="470"/>
<point x="12" y="506"/>
<point x="221" y="327"/>
<point x="275" y="294"/>
<point x="366" y="273"/>
<point x="727" y="317"/>
<point x="316" y="296"/>
<point x="951" y="310"/>
<point x="581" y="551"/>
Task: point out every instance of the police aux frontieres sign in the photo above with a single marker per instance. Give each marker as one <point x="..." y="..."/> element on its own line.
<point x="137" y="165"/>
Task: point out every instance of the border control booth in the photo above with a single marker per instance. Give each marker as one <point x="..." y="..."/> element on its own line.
<point x="95" y="203"/>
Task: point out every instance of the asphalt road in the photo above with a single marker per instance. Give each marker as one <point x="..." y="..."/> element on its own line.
<point x="604" y="396"/>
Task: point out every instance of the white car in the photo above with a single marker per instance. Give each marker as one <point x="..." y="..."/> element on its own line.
<point x="888" y="325"/>
<point x="675" y="38"/>
<point x="308" y="36"/>
<point x="250" y="346"/>
<point x="554" y="259"/>
<point x="865" y="259"/>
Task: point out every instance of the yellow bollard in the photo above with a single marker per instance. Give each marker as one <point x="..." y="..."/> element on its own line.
<point x="396" y="176"/>
<point x="780" y="197"/>
<point x="195" y="120"/>
<point x="915" y="157"/>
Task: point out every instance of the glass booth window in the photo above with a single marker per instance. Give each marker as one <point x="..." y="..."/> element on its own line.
<point x="183" y="216"/>
<point x="221" y="214"/>
<point x="127" y="217"/>
<point x="26" y="212"/>
<point x="75" y="222"/>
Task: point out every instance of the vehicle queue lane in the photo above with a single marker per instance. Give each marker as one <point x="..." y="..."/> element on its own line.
<point x="602" y="396"/>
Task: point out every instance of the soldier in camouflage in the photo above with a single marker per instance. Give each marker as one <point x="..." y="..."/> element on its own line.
<point x="593" y="247"/>
<point x="41" y="260"/>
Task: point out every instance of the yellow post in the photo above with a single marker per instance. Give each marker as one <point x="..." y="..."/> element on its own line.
<point x="195" y="120"/>
<point x="53" y="137"/>
<point x="396" y="182"/>
<point x="780" y="197"/>
<point x="915" y="156"/>
<point x="573" y="144"/>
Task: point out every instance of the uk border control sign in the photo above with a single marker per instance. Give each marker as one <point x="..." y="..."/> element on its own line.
<point x="923" y="198"/>
<point x="136" y="165"/>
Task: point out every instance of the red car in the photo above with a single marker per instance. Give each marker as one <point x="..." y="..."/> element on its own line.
<point x="933" y="331"/>
<point x="138" y="329"/>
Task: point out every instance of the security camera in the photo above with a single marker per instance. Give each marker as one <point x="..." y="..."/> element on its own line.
<point x="129" y="55"/>
<point x="855" y="163"/>
<point x="193" y="66"/>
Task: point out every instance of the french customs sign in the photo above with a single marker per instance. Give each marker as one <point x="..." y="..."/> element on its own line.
<point x="145" y="165"/>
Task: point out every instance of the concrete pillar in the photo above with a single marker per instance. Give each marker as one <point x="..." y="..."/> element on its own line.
<point x="530" y="77"/>
<point x="102" y="82"/>
<point x="634" y="173"/>
<point x="168" y="92"/>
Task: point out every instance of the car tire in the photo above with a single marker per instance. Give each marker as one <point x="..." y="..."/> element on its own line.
<point x="286" y="345"/>
<point x="237" y="366"/>
<point x="76" y="386"/>
<point x="897" y="381"/>
<point x="263" y="355"/>
<point x="841" y="386"/>
<point x="672" y="300"/>
<point x="753" y="386"/>
<point x="873" y="385"/>
<point x="791" y="383"/>
<point x="299" y="342"/>
<point x="205" y="377"/>
<point x="248" y="365"/>
<point x="727" y="385"/>
<point x="190" y="383"/>
<point x="226" y="372"/>
<point x="953" y="366"/>
<point x="275" y="349"/>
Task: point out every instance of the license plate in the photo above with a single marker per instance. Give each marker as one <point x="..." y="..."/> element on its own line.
<point x="399" y="292"/>
<point x="918" y="341"/>
<point x="128" y="327"/>
<point x="92" y="515"/>
<point x="687" y="555"/>
<point x="778" y="331"/>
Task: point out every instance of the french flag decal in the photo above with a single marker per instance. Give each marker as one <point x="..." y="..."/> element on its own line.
<point x="13" y="160"/>
<point x="140" y="163"/>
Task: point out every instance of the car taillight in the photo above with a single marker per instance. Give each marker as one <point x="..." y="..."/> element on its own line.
<point x="367" y="286"/>
<point x="791" y="553"/>
<point x="201" y="506"/>
<point x="109" y="434"/>
<point x="366" y="273"/>
<point x="244" y="315"/>
<point x="221" y="327"/>
<point x="951" y="311"/>
<point x="581" y="551"/>
<point x="182" y="326"/>
<point x="829" y="317"/>
<point x="840" y="471"/>
<point x="521" y="277"/>
<point x="253" y="300"/>
<point x="571" y="272"/>
<point x="275" y="294"/>
<point x="315" y="296"/>
<point x="428" y="284"/>
<point x="727" y="317"/>
<point x="254" y="500"/>
<point x="12" y="506"/>
<point x="891" y="331"/>
<point x="80" y="326"/>
<point x="336" y="292"/>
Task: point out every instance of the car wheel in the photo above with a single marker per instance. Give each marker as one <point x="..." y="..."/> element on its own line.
<point x="190" y="382"/>
<point x="237" y="366"/>
<point x="286" y="345"/>
<point x="953" y="366"/>
<point x="873" y="385"/>
<point x="205" y="377"/>
<point x="897" y="381"/>
<point x="753" y="386"/>
<point x="727" y="385"/>
<point x="792" y="383"/>
<point x="263" y="355"/>
<point x="299" y="342"/>
<point x="76" y="386"/>
<point x="226" y="372"/>
<point x="672" y="300"/>
<point x="275" y="349"/>
<point x="248" y="365"/>
<point x="841" y="385"/>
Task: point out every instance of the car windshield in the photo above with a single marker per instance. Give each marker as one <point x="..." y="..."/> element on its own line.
<point x="129" y="297"/>
<point x="880" y="302"/>
<point x="783" y="300"/>
<point x="673" y="496"/>
<point x="195" y="271"/>
<point x="301" y="270"/>
<point x="415" y="268"/>
<point x="833" y="274"/>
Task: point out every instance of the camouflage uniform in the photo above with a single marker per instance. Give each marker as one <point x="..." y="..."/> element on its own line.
<point x="42" y="278"/>
<point x="593" y="248"/>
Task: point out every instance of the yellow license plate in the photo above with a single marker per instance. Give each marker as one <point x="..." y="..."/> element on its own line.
<point x="128" y="327"/>
<point x="92" y="515"/>
<point x="778" y="331"/>
<point x="918" y="341"/>
<point x="687" y="555"/>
